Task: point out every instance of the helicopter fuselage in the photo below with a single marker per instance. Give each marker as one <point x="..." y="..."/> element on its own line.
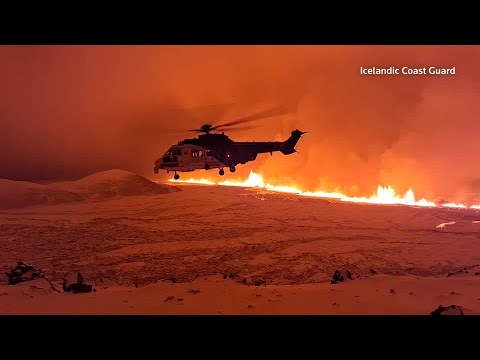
<point x="186" y="158"/>
<point x="217" y="151"/>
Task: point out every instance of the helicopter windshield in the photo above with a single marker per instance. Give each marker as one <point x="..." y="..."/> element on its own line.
<point x="171" y="155"/>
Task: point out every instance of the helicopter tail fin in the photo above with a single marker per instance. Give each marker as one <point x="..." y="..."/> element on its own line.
<point x="292" y="141"/>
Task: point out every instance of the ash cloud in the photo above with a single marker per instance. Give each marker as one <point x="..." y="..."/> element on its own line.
<point x="70" y="111"/>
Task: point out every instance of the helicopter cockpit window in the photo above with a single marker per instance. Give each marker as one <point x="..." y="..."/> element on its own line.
<point x="167" y="158"/>
<point x="170" y="156"/>
<point x="200" y="153"/>
<point x="194" y="153"/>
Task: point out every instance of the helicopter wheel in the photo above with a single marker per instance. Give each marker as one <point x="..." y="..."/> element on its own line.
<point x="221" y="172"/>
<point x="176" y="176"/>
<point x="232" y="169"/>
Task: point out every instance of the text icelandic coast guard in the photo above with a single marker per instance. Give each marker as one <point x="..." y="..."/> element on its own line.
<point x="405" y="70"/>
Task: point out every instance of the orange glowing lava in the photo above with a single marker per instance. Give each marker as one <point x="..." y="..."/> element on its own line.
<point x="383" y="195"/>
<point x="195" y="181"/>
<point x="456" y="206"/>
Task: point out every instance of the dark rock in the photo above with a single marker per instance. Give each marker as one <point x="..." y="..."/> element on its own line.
<point x="477" y="273"/>
<point x="193" y="291"/>
<point x="79" y="288"/>
<point x="251" y="307"/>
<point x="23" y="272"/>
<point x="411" y="293"/>
<point x="373" y="272"/>
<point x="172" y="298"/>
<point x="448" y="310"/>
<point x="74" y="282"/>
<point x="172" y="279"/>
<point x="392" y="291"/>
<point x="237" y="278"/>
<point x="260" y="283"/>
<point x="462" y="271"/>
<point x="341" y="276"/>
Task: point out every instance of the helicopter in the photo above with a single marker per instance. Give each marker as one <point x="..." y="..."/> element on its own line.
<point x="213" y="150"/>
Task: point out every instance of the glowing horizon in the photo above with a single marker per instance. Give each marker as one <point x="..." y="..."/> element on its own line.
<point x="385" y="195"/>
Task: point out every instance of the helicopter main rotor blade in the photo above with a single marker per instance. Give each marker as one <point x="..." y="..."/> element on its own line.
<point x="277" y="111"/>
<point x="179" y="131"/>
<point x="238" y="128"/>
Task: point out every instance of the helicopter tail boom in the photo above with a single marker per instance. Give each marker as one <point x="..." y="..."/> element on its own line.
<point x="286" y="147"/>
<point x="291" y="142"/>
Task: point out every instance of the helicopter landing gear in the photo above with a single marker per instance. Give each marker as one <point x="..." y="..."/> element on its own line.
<point x="221" y="172"/>
<point x="176" y="176"/>
<point x="232" y="169"/>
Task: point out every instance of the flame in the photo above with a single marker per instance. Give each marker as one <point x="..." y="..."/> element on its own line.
<point x="384" y="195"/>
<point x="194" y="181"/>
<point x="456" y="206"/>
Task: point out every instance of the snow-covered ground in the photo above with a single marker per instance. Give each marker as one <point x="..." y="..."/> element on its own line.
<point x="127" y="235"/>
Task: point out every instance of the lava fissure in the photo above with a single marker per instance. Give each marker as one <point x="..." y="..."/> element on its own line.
<point x="383" y="196"/>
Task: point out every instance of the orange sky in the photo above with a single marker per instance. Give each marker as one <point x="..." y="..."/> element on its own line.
<point x="67" y="111"/>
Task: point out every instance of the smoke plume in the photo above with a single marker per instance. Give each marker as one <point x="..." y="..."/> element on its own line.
<point x="68" y="111"/>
